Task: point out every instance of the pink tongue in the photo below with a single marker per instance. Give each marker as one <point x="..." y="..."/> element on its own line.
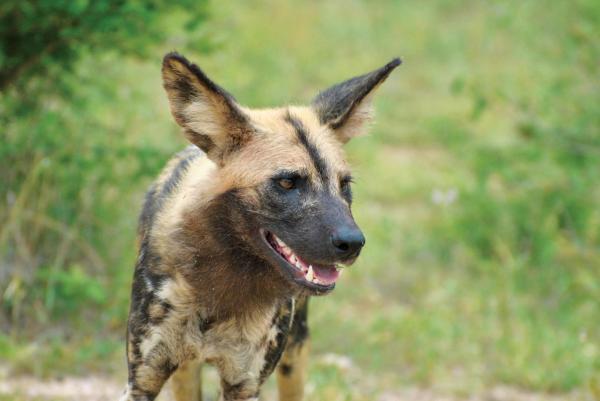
<point x="326" y="274"/>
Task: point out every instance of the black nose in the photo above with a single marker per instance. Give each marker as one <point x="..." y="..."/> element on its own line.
<point x="348" y="241"/>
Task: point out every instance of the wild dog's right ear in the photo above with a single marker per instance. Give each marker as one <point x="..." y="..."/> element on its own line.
<point x="346" y="107"/>
<point x="210" y="117"/>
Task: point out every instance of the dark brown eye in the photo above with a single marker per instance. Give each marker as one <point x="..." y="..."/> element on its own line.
<point x="286" y="183"/>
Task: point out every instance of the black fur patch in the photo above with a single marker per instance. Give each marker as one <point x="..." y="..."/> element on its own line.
<point x="148" y="212"/>
<point x="142" y="394"/>
<point x="160" y="359"/>
<point x="186" y="92"/>
<point x="187" y="156"/>
<point x="236" y="391"/>
<point x="141" y="300"/>
<point x="286" y="369"/>
<point x="299" y="332"/>
<point x="167" y="368"/>
<point x="202" y="77"/>
<point x="202" y="141"/>
<point x="282" y="320"/>
<point x="312" y="150"/>
<point x="335" y="104"/>
<point x="205" y="324"/>
<point x="155" y="197"/>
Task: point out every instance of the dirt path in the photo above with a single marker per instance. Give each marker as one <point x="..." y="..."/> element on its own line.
<point x="97" y="388"/>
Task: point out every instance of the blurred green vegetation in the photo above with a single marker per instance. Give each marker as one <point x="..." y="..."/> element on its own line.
<point x="478" y="188"/>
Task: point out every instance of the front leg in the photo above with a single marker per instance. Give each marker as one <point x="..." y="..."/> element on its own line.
<point x="246" y="390"/>
<point x="244" y="372"/>
<point x="186" y="382"/>
<point x="150" y="361"/>
<point x="291" y="371"/>
<point x="149" y="364"/>
<point x="152" y="339"/>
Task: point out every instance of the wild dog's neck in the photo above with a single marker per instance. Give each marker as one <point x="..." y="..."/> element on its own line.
<point x="221" y="266"/>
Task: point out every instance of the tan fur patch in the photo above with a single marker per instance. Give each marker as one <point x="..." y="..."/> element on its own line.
<point x="291" y="384"/>
<point x="275" y="146"/>
<point x="186" y="382"/>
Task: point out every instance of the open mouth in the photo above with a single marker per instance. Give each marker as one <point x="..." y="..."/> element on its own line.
<point x="315" y="276"/>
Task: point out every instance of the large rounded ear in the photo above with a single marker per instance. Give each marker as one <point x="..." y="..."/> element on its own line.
<point x="210" y="117"/>
<point x="346" y="107"/>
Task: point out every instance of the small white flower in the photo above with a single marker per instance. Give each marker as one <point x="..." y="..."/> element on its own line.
<point x="444" y="197"/>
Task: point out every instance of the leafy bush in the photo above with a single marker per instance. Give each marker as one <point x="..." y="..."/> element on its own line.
<point x="64" y="163"/>
<point x="44" y="39"/>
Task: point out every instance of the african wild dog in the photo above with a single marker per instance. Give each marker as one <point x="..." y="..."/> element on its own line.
<point x="236" y="233"/>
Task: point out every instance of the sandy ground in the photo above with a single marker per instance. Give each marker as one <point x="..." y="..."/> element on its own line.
<point x="105" y="389"/>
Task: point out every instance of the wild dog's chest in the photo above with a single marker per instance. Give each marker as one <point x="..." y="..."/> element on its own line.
<point x="255" y="341"/>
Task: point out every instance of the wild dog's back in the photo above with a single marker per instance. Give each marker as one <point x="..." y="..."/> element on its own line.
<point x="188" y="163"/>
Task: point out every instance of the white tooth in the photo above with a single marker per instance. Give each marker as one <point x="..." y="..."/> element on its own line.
<point x="310" y="275"/>
<point x="279" y="242"/>
<point x="298" y="265"/>
<point x="293" y="259"/>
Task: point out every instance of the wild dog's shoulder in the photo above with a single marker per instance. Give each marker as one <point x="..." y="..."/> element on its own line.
<point x="164" y="186"/>
<point x="175" y="169"/>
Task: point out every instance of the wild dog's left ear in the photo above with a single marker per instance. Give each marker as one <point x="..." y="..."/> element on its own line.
<point x="346" y="107"/>
<point x="210" y="117"/>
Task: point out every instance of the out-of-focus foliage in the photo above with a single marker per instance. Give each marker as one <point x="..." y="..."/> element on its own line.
<point x="478" y="190"/>
<point x="45" y="38"/>
<point x="64" y="66"/>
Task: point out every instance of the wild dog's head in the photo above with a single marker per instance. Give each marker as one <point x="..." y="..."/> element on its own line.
<point x="282" y="171"/>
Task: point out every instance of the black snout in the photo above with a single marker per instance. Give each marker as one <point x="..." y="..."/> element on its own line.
<point x="348" y="241"/>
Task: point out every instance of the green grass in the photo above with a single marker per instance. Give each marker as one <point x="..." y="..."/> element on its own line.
<point x="497" y="103"/>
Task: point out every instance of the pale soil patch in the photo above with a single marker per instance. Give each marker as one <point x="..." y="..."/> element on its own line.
<point x="85" y="388"/>
<point x="96" y="388"/>
<point x="496" y="394"/>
